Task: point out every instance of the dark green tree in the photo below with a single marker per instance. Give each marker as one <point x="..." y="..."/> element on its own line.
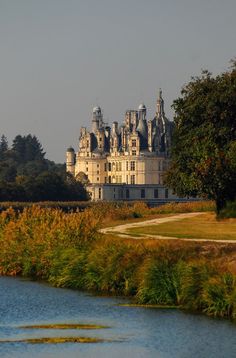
<point x="3" y="146"/>
<point x="27" y="148"/>
<point x="204" y="149"/>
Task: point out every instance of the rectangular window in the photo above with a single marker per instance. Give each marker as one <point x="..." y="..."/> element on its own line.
<point x="86" y="169"/>
<point x="127" y="193"/>
<point x="127" y="165"/>
<point x="97" y="171"/>
<point x="109" y="167"/>
<point x="99" y="193"/>
<point x="166" y="193"/>
<point x="133" y="143"/>
<point x="132" y="179"/>
<point x="133" y="152"/>
<point x="142" y="193"/>
<point x="109" y="179"/>
<point x="97" y="165"/>
<point x="132" y="165"/>
<point x="155" y="193"/>
<point x="105" y="167"/>
<point x="127" y="179"/>
<point x="97" y="179"/>
<point x="120" y="166"/>
<point x="105" y="179"/>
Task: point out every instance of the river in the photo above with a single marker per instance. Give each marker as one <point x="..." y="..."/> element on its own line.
<point x="134" y="332"/>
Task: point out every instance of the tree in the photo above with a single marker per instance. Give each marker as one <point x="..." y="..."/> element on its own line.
<point x="204" y="144"/>
<point x="3" y="146"/>
<point x="27" y="148"/>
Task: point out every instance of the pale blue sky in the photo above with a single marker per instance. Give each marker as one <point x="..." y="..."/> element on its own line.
<point x="59" y="58"/>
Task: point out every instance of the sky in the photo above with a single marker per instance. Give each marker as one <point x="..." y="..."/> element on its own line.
<point x="60" y="58"/>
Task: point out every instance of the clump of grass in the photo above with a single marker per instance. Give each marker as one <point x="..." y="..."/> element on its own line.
<point x="187" y="207"/>
<point x="56" y="340"/>
<point x="64" y="326"/>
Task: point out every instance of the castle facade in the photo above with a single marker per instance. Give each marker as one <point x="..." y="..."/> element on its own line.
<point x="124" y="162"/>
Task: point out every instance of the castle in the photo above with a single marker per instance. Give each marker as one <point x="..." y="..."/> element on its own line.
<point x="126" y="162"/>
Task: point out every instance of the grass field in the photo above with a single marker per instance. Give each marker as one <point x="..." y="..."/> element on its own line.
<point x="204" y="226"/>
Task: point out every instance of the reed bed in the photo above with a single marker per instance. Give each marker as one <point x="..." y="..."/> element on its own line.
<point x="67" y="250"/>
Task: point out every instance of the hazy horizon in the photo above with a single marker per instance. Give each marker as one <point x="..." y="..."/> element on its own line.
<point x="60" y="58"/>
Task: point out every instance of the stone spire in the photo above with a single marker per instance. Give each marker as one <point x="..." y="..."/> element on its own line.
<point x="160" y="105"/>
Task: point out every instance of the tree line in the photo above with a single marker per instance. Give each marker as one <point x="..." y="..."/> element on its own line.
<point x="26" y="175"/>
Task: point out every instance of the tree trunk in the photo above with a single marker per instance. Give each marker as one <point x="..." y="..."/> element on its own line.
<point x="220" y="204"/>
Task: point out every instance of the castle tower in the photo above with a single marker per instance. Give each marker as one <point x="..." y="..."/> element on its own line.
<point x="97" y="119"/>
<point x="70" y="160"/>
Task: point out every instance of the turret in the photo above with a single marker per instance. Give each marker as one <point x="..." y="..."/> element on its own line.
<point x="70" y="160"/>
<point x="97" y="119"/>
<point x="142" y="110"/>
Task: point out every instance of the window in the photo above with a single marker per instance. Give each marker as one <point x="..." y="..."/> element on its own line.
<point x="86" y="169"/>
<point x="117" y="166"/>
<point x="142" y="193"/>
<point x="99" y="193"/>
<point x="105" y="179"/>
<point x="97" y="171"/>
<point x="132" y="179"/>
<point x="166" y="193"/>
<point x="127" y="179"/>
<point x="87" y="143"/>
<point x="109" y="179"/>
<point x="105" y="167"/>
<point x="127" y="193"/>
<point x="127" y="165"/>
<point x="155" y="193"/>
<point x="97" y="165"/>
<point x="97" y="179"/>
<point x="100" y="139"/>
<point x="132" y="165"/>
<point x="133" y="152"/>
<point x="120" y="166"/>
<point x="109" y="167"/>
<point x="133" y="143"/>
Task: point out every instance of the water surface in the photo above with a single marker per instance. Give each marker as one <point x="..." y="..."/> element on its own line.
<point x="134" y="333"/>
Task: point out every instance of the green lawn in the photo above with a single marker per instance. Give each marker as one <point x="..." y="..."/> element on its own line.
<point x="204" y="226"/>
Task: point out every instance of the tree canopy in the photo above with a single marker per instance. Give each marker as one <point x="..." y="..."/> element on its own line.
<point x="26" y="175"/>
<point x="204" y="144"/>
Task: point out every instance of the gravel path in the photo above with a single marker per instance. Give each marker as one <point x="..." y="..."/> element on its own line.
<point x="121" y="230"/>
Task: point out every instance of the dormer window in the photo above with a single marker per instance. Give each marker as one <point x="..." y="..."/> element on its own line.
<point x="133" y="142"/>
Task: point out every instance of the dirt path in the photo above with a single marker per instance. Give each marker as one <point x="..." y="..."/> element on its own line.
<point x="121" y="230"/>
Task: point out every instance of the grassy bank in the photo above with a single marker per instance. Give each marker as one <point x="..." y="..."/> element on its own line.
<point x="204" y="226"/>
<point x="67" y="250"/>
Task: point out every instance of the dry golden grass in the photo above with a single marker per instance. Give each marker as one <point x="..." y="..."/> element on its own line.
<point x="55" y="340"/>
<point x="204" y="226"/>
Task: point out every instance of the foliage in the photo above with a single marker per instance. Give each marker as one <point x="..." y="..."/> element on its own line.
<point x="204" y="148"/>
<point x="229" y="211"/>
<point x="25" y="174"/>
